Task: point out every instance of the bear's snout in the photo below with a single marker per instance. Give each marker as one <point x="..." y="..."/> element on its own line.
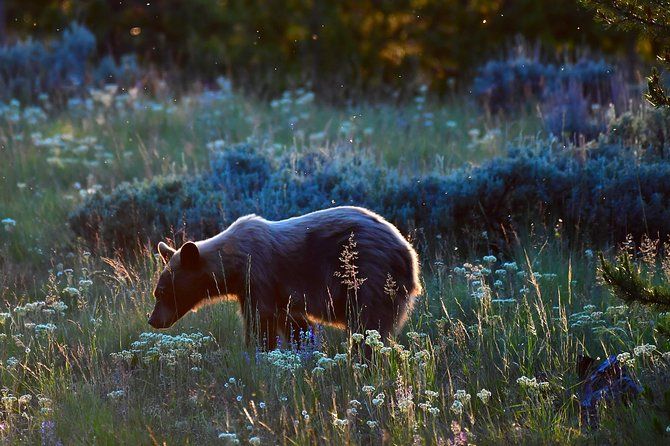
<point x="161" y="317"/>
<point x="158" y="323"/>
<point x="153" y="321"/>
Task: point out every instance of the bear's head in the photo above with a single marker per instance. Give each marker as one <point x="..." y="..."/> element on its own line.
<point x="184" y="283"/>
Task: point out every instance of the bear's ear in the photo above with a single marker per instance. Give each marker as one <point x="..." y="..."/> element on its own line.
<point x="165" y="251"/>
<point x="190" y="255"/>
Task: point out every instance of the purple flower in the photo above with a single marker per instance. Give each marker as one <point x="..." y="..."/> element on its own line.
<point x="48" y="432"/>
<point x="459" y="437"/>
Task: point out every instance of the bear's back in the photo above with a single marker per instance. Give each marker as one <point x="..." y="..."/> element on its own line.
<point x="308" y="256"/>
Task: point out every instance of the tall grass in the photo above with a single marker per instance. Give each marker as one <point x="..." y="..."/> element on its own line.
<point x="488" y="357"/>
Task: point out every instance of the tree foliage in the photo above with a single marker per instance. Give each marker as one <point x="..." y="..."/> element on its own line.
<point x="364" y="45"/>
<point x="650" y="18"/>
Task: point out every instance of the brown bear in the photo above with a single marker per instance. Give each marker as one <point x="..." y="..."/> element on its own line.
<point x="344" y="266"/>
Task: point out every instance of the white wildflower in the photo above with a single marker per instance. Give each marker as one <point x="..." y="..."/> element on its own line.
<point x="644" y="349"/>
<point x="229" y="437"/>
<point x="340" y="422"/>
<point x="116" y="394"/>
<point x="484" y="395"/>
<point x="462" y="396"/>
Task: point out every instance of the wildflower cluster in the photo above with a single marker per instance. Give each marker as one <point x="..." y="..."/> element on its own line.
<point x="38" y="308"/>
<point x="626" y="359"/>
<point x="285" y="360"/>
<point x="484" y="395"/>
<point x="373" y="339"/>
<point x="14" y="114"/>
<point x="644" y="350"/>
<point x="166" y="349"/>
<point x="8" y="224"/>
<point x="229" y="438"/>
<point x="294" y="106"/>
<point x="612" y="321"/>
<point x="404" y="395"/>
<point x="23" y="405"/>
<point x="475" y="276"/>
<point x="532" y="384"/>
<point x="340" y="422"/>
<point x="378" y="400"/>
<point x="65" y="149"/>
<point x="428" y="404"/>
<point x="37" y="317"/>
<point x="116" y="395"/>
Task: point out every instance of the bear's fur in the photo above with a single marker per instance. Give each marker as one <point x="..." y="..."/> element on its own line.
<point x="291" y="273"/>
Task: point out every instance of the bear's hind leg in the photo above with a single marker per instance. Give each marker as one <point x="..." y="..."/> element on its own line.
<point x="268" y="333"/>
<point x="374" y="318"/>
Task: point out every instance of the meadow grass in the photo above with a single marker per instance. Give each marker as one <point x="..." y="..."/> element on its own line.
<point x="488" y="357"/>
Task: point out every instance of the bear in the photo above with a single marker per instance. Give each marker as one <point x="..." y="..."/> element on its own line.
<point x="344" y="266"/>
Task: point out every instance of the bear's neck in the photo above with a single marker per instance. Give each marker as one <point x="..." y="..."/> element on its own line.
<point x="229" y="255"/>
<point x="228" y="271"/>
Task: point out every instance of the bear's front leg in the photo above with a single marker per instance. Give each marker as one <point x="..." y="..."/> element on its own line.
<point x="261" y="330"/>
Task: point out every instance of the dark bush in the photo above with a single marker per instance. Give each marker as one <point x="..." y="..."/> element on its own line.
<point x="600" y="195"/>
<point x="573" y="98"/>
<point x="126" y="72"/>
<point x="29" y="67"/>
<point x="61" y="68"/>
<point x="566" y="111"/>
<point x="511" y="83"/>
<point x="518" y="81"/>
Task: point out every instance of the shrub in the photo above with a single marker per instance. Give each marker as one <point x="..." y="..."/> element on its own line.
<point x="28" y="68"/>
<point x="566" y="111"/>
<point x="602" y="195"/>
<point x="572" y="97"/>
<point x="649" y="130"/>
<point x="61" y="68"/>
<point x="505" y="84"/>
<point x="517" y="81"/>
<point x="125" y="72"/>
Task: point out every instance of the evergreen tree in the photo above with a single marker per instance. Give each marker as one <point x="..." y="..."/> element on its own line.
<point x="633" y="285"/>
<point x="650" y="18"/>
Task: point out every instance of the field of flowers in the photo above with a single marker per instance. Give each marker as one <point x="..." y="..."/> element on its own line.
<point x="490" y="355"/>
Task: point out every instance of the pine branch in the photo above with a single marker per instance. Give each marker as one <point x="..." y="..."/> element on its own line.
<point x="648" y="17"/>
<point x="656" y="94"/>
<point x="628" y="284"/>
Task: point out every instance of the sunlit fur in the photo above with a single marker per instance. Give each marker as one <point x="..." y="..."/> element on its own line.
<point x="284" y="273"/>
